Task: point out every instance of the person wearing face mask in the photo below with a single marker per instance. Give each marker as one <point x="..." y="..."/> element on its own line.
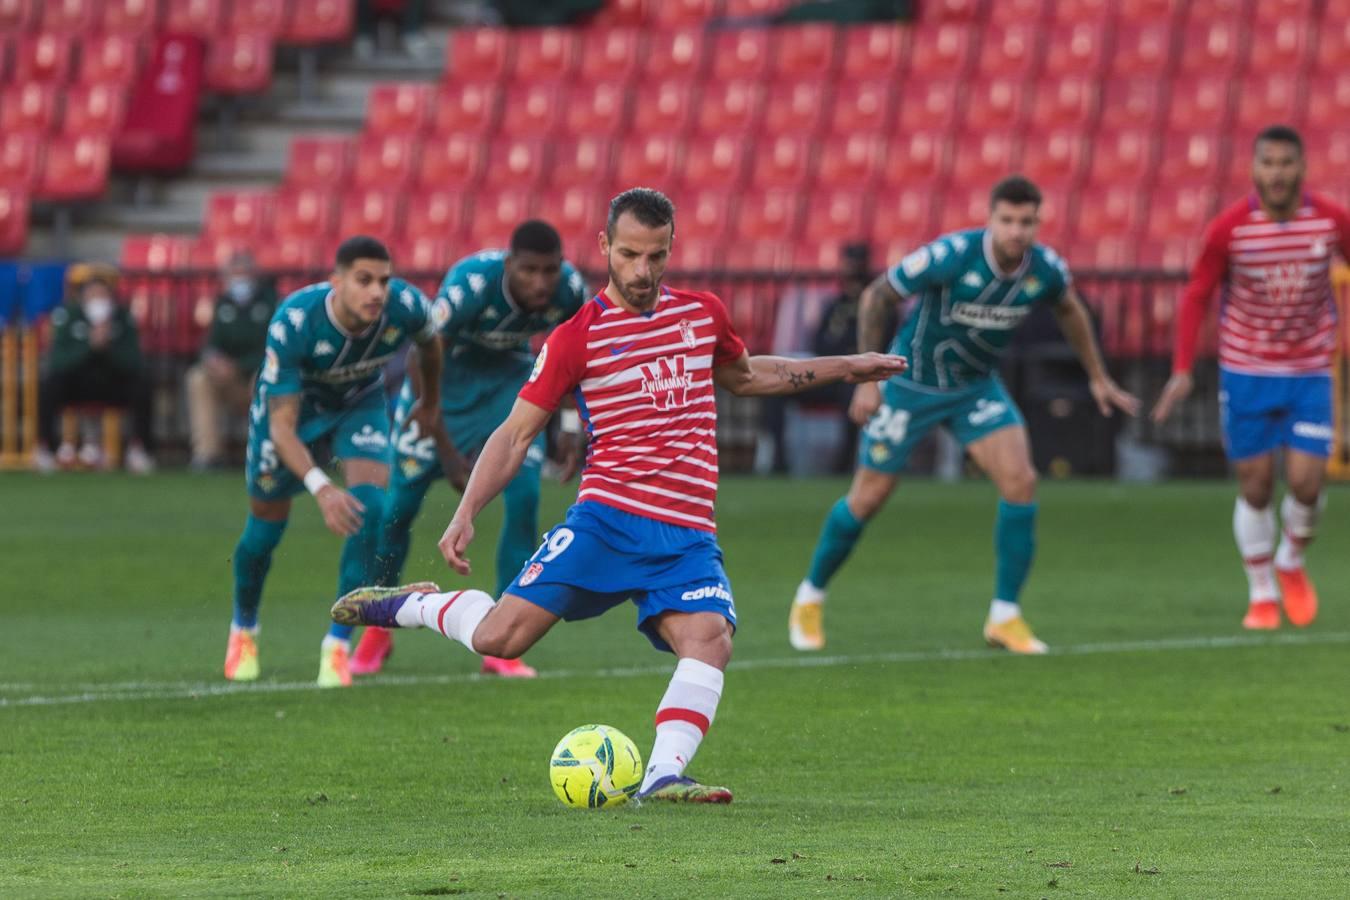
<point x="222" y="380"/>
<point x="96" y="358"/>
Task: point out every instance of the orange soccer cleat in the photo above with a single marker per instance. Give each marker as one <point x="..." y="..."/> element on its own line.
<point x="1014" y="635"/>
<point x="241" y="656"/>
<point x="1262" y="615"/>
<point x="1300" y="597"/>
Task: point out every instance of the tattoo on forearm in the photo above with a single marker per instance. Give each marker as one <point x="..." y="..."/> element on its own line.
<point x="798" y="380"/>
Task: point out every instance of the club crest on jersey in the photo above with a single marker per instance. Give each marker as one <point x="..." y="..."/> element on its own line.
<point x="391" y="335"/>
<point x="529" y="575"/>
<point x="1284" y="281"/>
<point x="687" y="333"/>
<point x="667" y="382"/>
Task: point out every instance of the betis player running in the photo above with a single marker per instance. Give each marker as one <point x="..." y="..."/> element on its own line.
<point x="641" y="360"/>
<point x="320" y="395"/>
<point x="1272" y="252"/>
<point x="489" y="306"/>
<point x="968" y="293"/>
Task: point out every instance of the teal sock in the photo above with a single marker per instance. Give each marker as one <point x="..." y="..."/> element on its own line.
<point x="842" y="530"/>
<point x="401" y="506"/>
<point x="252" y="559"/>
<point x="1014" y="548"/>
<point x="520" y="530"/>
<point x="358" y="565"/>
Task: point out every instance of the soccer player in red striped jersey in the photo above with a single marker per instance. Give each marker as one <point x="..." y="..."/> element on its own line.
<point x="641" y="361"/>
<point x="1271" y="252"/>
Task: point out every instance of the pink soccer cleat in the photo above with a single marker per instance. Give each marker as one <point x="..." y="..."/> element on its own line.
<point x="376" y="646"/>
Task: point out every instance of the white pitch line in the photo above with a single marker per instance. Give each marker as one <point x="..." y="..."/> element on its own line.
<point x="133" y="691"/>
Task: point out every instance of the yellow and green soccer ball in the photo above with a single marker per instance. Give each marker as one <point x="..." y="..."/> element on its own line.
<point x="595" y="766"/>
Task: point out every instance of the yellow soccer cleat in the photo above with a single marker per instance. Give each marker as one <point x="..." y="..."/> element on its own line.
<point x="334" y="665"/>
<point x="806" y="626"/>
<point x="1014" y="636"/>
<point x="241" y="656"/>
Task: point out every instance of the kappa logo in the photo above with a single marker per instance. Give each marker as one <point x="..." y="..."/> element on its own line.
<point x="297" y="317"/>
<point x="687" y="333"/>
<point x="667" y="382"/>
<point x="323" y="348"/>
<point x="1284" y="281"/>
<point x="973" y="279"/>
<point x="529" y="576"/>
<point x="278" y="333"/>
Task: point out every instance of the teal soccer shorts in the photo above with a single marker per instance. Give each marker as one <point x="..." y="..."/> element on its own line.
<point x="909" y="412"/>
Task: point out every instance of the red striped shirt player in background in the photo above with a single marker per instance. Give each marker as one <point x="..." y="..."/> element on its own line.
<point x="1272" y="253"/>
<point x="641" y="360"/>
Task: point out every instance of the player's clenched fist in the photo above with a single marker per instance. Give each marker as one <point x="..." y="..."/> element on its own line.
<point x="342" y="512"/>
<point x="454" y="543"/>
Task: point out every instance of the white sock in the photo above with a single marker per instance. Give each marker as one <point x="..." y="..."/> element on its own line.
<point x="1300" y="527"/>
<point x="685" y="713"/>
<point x="1001" y="611"/>
<point x="1254" y="530"/>
<point x="456" y="614"/>
<point x="330" y="642"/>
<point x="808" y="593"/>
<point x="251" y="631"/>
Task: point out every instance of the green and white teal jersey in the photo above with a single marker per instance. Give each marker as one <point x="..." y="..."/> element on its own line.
<point x="965" y="309"/>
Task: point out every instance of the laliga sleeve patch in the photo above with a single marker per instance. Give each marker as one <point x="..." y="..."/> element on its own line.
<point x="271" y="366"/>
<point x="539" y="362"/>
<point x="916" y="262"/>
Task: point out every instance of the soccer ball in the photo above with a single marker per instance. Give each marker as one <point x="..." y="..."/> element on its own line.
<point x="594" y="766"/>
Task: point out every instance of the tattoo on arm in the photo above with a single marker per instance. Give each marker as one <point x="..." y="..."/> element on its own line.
<point x="798" y="380"/>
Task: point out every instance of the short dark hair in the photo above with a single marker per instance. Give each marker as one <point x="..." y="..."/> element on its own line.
<point x="362" y="246"/>
<point x="536" y="236"/>
<point x="1015" y="189"/>
<point x="650" y="207"/>
<point x="1280" y="134"/>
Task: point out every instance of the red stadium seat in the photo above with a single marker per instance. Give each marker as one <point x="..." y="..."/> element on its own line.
<point x="238" y="214"/>
<point x="305" y="212"/>
<point x="1272" y="12"/>
<point x="210" y="252"/>
<point x="851" y="160"/>
<point x="1075" y="49"/>
<point x="1009" y="12"/>
<point x="1199" y="102"/>
<point x="1131" y="103"/>
<point x="1104" y="253"/>
<point x="74" y="168"/>
<point x="665" y="108"/>
<point x="983" y="158"/>
<point x="1208" y="10"/>
<point x="705" y="214"/>
<point x="30" y="107"/>
<point x="1054" y="158"/>
<point x="1148" y="10"/>
<point x="434" y="213"/>
<point x="674" y="56"/>
<point x="653" y="160"/>
<point x="1328" y="160"/>
<point x="931" y="105"/>
<point x="579" y="210"/>
<point x="1266" y="99"/>
<point x="1329" y="100"/>
<point x="962" y="208"/>
<point x="682" y="13"/>
<point x="239" y="63"/>
<point x="68" y="16"/>
<point x="258" y="17"/>
<point x="1180" y="211"/>
<point x="716" y="161"/>
<point x="452" y="160"/>
<point x="94" y="109"/>
<point x="385" y="160"/>
<point x="768" y="215"/>
<point x="739" y="53"/>
<point x="138" y="17"/>
<point x="1063" y="102"/>
<point x="1212" y="48"/>
<point x="515" y="162"/>
<point x="1121" y="157"/>
<point x="754" y="8"/>
<point x="692" y="254"/>
<point x="532" y="109"/>
<point x="874" y="51"/>
<point x="544" y="54"/>
<point x="1177" y="253"/>
<point x="289" y="253"/>
<point x="862" y="106"/>
<point x="837" y="214"/>
<point x="319" y="161"/>
<point x="16" y="15"/>
<point x="20" y="161"/>
<point x="942" y="51"/>
<point x="477" y="54"/>
<point x="43" y="57"/>
<point x="596" y="108"/>
<point x="1057" y="209"/>
<point x="1081" y="10"/>
<point x="1333" y="43"/>
<point x="424" y="253"/>
<point x="155" y="252"/>
<point x="319" y="22"/>
<point x="903" y="216"/>
<point x="585" y="159"/>
<point x="495" y="216"/>
<point x="917" y="158"/>
<point x="204" y="18"/>
<point x="951" y="10"/>
<point x="1190" y="158"/>
<point x="1112" y="210"/>
<point x="782" y="162"/>
<point x="995" y="103"/>
<point x="621" y="13"/>
<point x="1143" y="49"/>
<point x="765" y="255"/>
<point x="399" y="108"/>
<point x="467" y="107"/>
<point x="109" y="59"/>
<point x="1280" y="46"/>
<point x="804" y="51"/>
<point x="373" y="211"/>
<point x="1010" y="51"/>
<point x="609" y="55"/>
<point x="797" y="107"/>
<point x="729" y="107"/>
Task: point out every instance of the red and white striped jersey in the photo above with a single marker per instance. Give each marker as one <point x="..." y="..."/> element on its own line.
<point x="1278" y="315"/>
<point x="644" y="386"/>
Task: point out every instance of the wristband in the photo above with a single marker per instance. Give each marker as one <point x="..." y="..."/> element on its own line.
<point x="569" y="421"/>
<point x="316" y="481"/>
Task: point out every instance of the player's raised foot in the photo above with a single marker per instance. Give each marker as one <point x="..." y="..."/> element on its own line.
<point x="1014" y="635"/>
<point x="1300" y="597"/>
<point x="1262" y="615"/>
<point x="334" y="664"/>
<point x="377" y="605"/>
<point x="683" y="789"/>
<point x="376" y="645"/>
<point x="241" y="656"/>
<point x="806" y="621"/>
<point x="507" y="668"/>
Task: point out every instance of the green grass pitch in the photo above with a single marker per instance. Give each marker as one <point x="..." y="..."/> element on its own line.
<point x="1161" y="753"/>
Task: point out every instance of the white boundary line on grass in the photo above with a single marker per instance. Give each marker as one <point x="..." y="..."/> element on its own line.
<point x="121" y="692"/>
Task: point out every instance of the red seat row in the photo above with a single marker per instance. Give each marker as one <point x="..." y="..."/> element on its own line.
<point x="287" y="21"/>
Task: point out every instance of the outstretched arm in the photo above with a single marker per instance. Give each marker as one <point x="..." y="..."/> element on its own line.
<point x="1076" y="324"/>
<point x="750" y="376"/>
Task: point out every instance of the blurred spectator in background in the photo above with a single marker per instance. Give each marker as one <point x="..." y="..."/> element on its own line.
<point x="408" y="16"/>
<point x="95" y="359"/>
<point x="222" y="379"/>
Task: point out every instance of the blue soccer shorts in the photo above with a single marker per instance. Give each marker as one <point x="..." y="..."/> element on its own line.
<point x="601" y="557"/>
<point x="1262" y="413"/>
<point x="909" y="412"/>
